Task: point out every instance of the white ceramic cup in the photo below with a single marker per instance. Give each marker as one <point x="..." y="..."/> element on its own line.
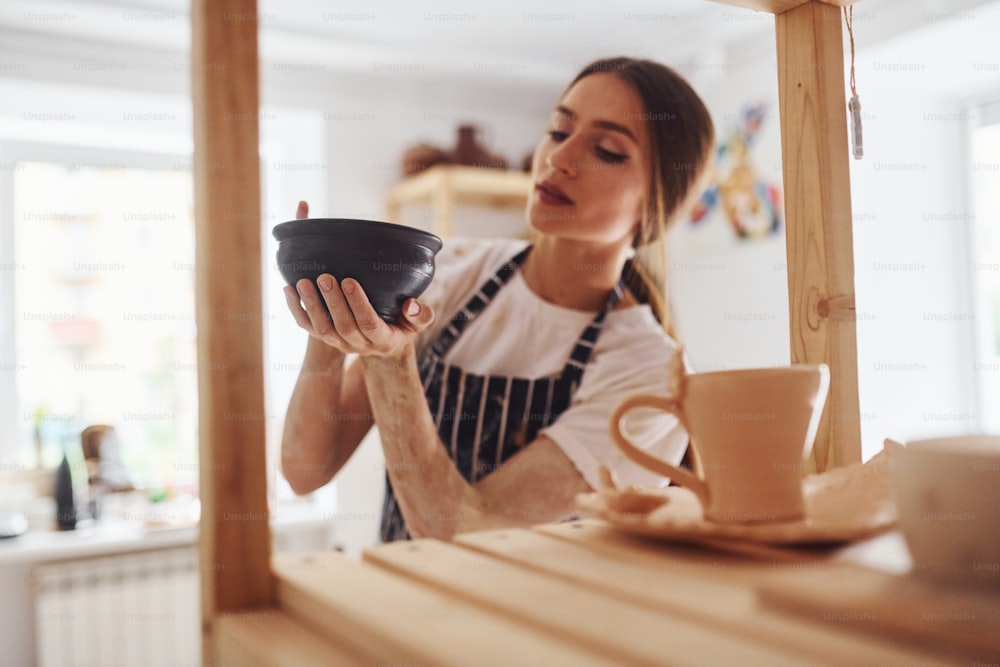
<point x="948" y="494"/>
<point x="750" y="429"/>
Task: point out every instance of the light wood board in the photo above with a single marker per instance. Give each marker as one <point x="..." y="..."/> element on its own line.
<point x="235" y="533"/>
<point x="268" y="637"/>
<point x="397" y="621"/>
<point x="605" y="625"/>
<point x="818" y="236"/>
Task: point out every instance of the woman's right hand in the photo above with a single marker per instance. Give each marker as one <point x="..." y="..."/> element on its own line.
<point x="344" y="318"/>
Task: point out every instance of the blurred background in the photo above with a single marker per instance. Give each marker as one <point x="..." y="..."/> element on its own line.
<point x="96" y="201"/>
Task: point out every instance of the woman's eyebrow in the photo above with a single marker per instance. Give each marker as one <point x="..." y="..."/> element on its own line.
<point x="606" y="124"/>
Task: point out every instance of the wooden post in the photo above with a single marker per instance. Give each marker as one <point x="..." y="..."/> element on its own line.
<point x="779" y="6"/>
<point x="819" y="238"/>
<point x="443" y="205"/>
<point x="235" y="534"/>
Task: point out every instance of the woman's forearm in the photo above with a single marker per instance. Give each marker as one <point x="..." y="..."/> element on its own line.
<point x="434" y="498"/>
<point x="308" y="444"/>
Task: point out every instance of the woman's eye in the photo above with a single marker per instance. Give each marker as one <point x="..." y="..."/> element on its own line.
<point x="609" y="156"/>
<point x="557" y="135"/>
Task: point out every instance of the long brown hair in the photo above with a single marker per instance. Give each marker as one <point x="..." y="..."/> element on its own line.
<point x="681" y="137"/>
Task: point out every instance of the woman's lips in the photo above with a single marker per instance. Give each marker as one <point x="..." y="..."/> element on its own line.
<point x="552" y="195"/>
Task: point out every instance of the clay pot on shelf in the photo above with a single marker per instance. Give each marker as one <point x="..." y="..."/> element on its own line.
<point x="469" y="150"/>
<point x="527" y="161"/>
<point x="421" y="157"/>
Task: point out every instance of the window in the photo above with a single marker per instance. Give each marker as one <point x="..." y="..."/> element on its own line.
<point x="985" y="256"/>
<point x="97" y="269"/>
<point x="100" y="279"/>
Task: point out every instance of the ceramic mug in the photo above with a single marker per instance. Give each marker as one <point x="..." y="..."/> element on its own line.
<point x="750" y="430"/>
<point x="948" y="494"/>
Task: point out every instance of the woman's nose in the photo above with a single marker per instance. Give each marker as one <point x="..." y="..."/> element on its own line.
<point x="564" y="157"/>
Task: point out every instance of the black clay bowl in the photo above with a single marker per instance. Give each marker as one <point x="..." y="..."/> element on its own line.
<point x="392" y="262"/>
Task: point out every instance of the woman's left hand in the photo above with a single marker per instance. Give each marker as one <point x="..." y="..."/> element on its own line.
<point x="352" y="325"/>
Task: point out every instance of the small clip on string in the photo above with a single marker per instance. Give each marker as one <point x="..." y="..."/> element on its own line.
<point x="854" y="105"/>
<point x="856" y="144"/>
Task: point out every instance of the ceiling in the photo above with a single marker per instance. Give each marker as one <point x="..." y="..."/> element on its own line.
<point x="307" y="44"/>
<point x="444" y="33"/>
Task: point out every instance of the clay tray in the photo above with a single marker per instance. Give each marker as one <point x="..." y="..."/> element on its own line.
<point x="842" y="505"/>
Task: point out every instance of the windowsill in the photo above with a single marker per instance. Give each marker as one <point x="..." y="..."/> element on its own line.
<point x="115" y="536"/>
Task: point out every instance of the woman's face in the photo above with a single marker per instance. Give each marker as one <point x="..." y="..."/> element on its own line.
<point x="591" y="170"/>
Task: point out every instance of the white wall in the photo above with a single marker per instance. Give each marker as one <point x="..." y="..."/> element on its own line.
<point x="916" y="352"/>
<point x="912" y="267"/>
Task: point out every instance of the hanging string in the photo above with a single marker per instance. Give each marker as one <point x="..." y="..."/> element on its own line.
<point x="855" y="103"/>
<point x="849" y="20"/>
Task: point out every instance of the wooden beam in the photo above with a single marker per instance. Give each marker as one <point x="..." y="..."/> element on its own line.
<point x="269" y="637"/>
<point x="235" y="533"/>
<point x="772" y="6"/>
<point x="818" y="237"/>
<point x="780" y="6"/>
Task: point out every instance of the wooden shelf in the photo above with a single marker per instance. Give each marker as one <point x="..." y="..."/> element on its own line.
<point x="446" y="186"/>
<point x="375" y="606"/>
<point x="779" y="6"/>
<point x="586" y="593"/>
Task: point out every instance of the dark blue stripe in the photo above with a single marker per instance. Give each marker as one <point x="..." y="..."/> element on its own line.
<point x="515" y="413"/>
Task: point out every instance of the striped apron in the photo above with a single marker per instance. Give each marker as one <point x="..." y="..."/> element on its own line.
<point x="483" y="420"/>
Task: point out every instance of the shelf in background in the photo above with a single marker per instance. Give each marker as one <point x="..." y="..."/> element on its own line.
<point x="446" y="186"/>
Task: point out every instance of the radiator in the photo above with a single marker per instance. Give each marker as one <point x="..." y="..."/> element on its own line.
<point x="134" y="609"/>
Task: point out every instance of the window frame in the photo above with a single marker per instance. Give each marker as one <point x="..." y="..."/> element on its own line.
<point x="979" y="111"/>
<point x="11" y="153"/>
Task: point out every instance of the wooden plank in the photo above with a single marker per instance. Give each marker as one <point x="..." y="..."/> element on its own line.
<point x="415" y="188"/>
<point x="268" y="637"/>
<point x="446" y="186"/>
<point x="819" y="239"/>
<point x="689" y="559"/>
<point x="620" y="631"/>
<point x="477" y="185"/>
<point x="964" y="621"/>
<point x="470" y="184"/>
<point x="443" y="200"/>
<point x="234" y="535"/>
<point x="772" y="6"/>
<point x="779" y="6"/>
<point x="728" y="605"/>
<point x="399" y="622"/>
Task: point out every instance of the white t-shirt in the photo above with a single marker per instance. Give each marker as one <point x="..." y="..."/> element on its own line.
<point x="520" y="334"/>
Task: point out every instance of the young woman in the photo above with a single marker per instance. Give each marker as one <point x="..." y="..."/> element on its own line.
<point x="492" y="394"/>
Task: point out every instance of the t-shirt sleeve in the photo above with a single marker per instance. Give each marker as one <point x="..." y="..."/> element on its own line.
<point x="622" y="366"/>
<point x="460" y="267"/>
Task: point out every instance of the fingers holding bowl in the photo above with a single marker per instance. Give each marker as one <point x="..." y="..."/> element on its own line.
<point x="343" y="315"/>
<point x="339" y="316"/>
<point x="366" y="327"/>
<point x="416" y="316"/>
<point x="314" y="306"/>
<point x="294" y="302"/>
<point x="371" y="332"/>
<point x="312" y="311"/>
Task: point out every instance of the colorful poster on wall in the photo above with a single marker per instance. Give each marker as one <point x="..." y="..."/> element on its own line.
<point x="738" y="196"/>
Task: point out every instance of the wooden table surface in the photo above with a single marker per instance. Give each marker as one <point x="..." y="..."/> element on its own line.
<point x="584" y="593"/>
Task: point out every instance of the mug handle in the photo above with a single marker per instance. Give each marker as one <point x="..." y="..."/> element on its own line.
<point x="678" y="475"/>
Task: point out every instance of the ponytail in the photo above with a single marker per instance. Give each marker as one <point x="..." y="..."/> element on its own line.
<point x="648" y="283"/>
